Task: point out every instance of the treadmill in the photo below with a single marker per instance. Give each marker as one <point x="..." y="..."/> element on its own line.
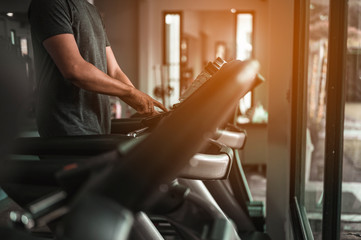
<point x="190" y="139"/>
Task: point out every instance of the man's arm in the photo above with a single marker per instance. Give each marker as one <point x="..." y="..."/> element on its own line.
<point x="65" y="53"/>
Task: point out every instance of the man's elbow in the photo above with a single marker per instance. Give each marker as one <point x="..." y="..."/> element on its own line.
<point x="115" y="73"/>
<point x="72" y="73"/>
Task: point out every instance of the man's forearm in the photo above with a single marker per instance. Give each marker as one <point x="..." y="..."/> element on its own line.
<point x="87" y="76"/>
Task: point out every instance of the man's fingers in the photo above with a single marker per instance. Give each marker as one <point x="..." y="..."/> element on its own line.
<point x="158" y="104"/>
<point x="155" y="112"/>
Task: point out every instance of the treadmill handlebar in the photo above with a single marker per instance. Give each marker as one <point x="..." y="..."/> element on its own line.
<point x="213" y="163"/>
<point x="232" y="139"/>
<point x="69" y="145"/>
<point x="206" y="167"/>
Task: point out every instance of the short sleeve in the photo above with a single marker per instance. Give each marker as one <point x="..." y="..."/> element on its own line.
<point x="49" y="18"/>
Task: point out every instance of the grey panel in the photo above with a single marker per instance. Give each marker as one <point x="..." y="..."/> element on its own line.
<point x="232" y="139"/>
<point x="206" y="166"/>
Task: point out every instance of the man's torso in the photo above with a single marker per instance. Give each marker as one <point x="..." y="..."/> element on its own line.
<point x="63" y="108"/>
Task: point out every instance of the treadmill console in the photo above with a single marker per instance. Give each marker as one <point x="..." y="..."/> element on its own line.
<point x="207" y="73"/>
<point x="210" y="69"/>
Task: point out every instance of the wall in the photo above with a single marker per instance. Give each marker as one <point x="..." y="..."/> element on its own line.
<point x="150" y="33"/>
<point x="121" y="22"/>
<point x="192" y="27"/>
<point x="19" y="22"/>
<point x="192" y="23"/>
<point x="14" y="6"/>
<point x="279" y="77"/>
<point x="204" y="29"/>
<point x="219" y="26"/>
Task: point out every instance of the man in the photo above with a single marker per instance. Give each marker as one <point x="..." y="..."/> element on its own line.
<point x="77" y="70"/>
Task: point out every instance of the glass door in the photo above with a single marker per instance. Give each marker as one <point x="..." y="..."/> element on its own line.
<point x="322" y="67"/>
<point x="315" y="127"/>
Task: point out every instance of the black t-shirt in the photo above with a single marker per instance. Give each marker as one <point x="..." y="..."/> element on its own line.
<point x="62" y="107"/>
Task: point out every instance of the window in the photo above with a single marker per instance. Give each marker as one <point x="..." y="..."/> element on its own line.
<point x="323" y="142"/>
<point x="171" y="59"/>
<point x="351" y="180"/>
<point x="244" y="48"/>
<point x="24" y="46"/>
<point x="12" y="37"/>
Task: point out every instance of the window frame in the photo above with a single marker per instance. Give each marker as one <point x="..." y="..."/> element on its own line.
<point x="301" y="227"/>
<point x="334" y="120"/>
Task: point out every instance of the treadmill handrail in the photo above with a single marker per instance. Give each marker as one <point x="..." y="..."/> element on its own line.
<point x="69" y="145"/>
<point x="207" y="167"/>
<point x="232" y="139"/>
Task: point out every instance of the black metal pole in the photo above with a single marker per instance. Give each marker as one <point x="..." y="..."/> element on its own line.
<point x="334" y="119"/>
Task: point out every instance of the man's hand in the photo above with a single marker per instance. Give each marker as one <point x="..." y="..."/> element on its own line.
<point x="143" y="103"/>
<point x="138" y="100"/>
